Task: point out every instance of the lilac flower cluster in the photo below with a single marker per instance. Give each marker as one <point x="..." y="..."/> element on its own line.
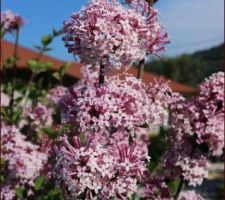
<point x="10" y="22"/>
<point x="104" y="155"/>
<point x="182" y="161"/>
<point x="118" y="104"/>
<point x="197" y="126"/>
<point x="39" y="115"/>
<point x="154" y="187"/>
<point x="56" y="94"/>
<point x="26" y="161"/>
<point x="203" y="115"/>
<point x="105" y="32"/>
<point x="99" y="166"/>
<point x="187" y="195"/>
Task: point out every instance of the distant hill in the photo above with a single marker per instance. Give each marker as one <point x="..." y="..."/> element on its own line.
<point x="190" y="69"/>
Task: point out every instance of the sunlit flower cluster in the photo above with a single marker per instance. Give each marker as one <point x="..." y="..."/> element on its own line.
<point x="25" y="160"/>
<point x="105" y="32"/>
<point x="99" y="166"/>
<point x="10" y="21"/>
<point x="117" y="104"/>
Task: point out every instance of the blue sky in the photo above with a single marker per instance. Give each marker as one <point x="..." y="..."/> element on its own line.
<point x="192" y="24"/>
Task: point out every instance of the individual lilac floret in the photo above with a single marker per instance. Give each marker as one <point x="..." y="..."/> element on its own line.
<point x="190" y="195"/>
<point x="26" y="161"/>
<point x="10" y="22"/>
<point x="98" y="169"/>
<point x="117" y="104"/>
<point x="39" y="115"/>
<point x="55" y="94"/>
<point x="105" y="32"/>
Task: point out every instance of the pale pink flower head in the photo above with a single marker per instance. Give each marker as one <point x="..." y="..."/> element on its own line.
<point x="10" y="21"/>
<point x="98" y="169"/>
<point x="183" y="160"/>
<point x="7" y="192"/>
<point x="89" y="75"/>
<point x="39" y="115"/>
<point x="105" y="32"/>
<point x="213" y="87"/>
<point x="153" y="187"/>
<point x="190" y="195"/>
<point x="26" y="161"/>
<point x="56" y="94"/>
<point x="117" y="104"/>
<point x="202" y="116"/>
<point x="194" y="169"/>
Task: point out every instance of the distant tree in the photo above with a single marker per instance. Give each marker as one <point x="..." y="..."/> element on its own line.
<point x="190" y="69"/>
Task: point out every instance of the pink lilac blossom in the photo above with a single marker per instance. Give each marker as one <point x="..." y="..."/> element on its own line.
<point x="10" y="22"/>
<point x="56" y="94"/>
<point x="105" y="32"/>
<point x="181" y="160"/>
<point x="194" y="169"/>
<point x="5" y="100"/>
<point x="153" y="187"/>
<point x="89" y="75"/>
<point x="202" y="115"/>
<point x="39" y="115"/>
<point x="161" y="95"/>
<point x="98" y="168"/>
<point x="190" y="195"/>
<point x="117" y="104"/>
<point x="7" y="192"/>
<point x="26" y="161"/>
<point x="141" y="141"/>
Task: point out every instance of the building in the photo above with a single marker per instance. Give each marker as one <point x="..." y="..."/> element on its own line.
<point x="7" y="49"/>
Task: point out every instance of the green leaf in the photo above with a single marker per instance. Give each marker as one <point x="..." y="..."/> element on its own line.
<point x="2" y="179"/>
<point x="173" y="185"/>
<point x="39" y="183"/>
<point x="82" y="138"/>
<point x="53" y="192"/>
<point x="64" y="68"/>
<point x="38" y="67"/>
<point x="10" y="61"/>
<point x="17" y="115"/>
<point x="56" y="76"/>
<point x="46" y="40"/>
<point x="20" y="192"/>
<point x="56" y="33"/>
<point x="32" y="63"/>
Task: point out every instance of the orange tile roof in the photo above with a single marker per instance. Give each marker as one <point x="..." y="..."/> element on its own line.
<point x="25" y="54"/>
